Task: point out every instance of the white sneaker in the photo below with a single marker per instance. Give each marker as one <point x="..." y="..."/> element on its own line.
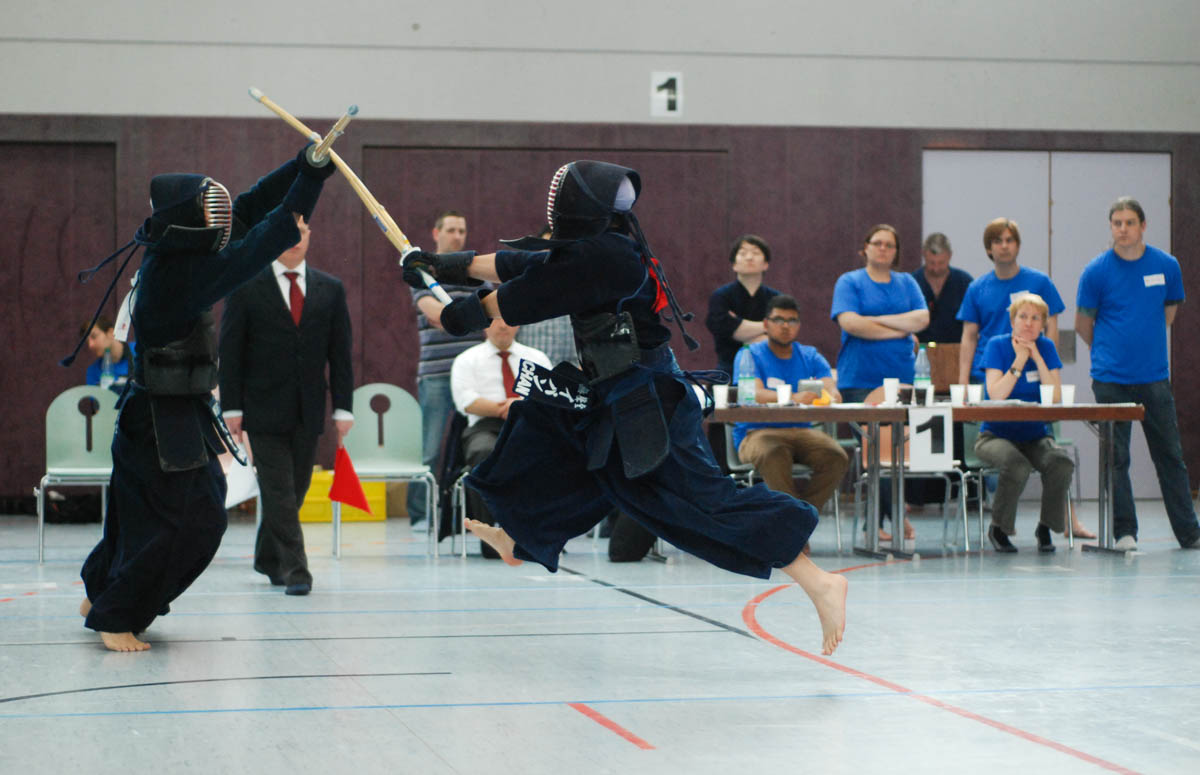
<point x="1126" y="544"/>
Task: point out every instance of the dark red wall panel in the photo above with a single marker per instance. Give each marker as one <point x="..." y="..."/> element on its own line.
<point x="76" y="187"/>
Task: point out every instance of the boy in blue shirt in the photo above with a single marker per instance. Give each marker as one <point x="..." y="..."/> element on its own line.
<point x="103" y="336"/>
<point x="772" y="448"/>
<point x="1127" y="297"/>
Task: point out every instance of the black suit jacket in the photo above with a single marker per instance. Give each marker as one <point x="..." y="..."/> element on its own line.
<point x="274" y="371"/>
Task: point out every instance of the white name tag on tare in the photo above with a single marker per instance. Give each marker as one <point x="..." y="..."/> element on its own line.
<point x="1033" y="376"/>
<point x="1154" y="279"/>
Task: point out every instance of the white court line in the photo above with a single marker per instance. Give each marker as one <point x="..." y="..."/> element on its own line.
<point x="31" y="585"/>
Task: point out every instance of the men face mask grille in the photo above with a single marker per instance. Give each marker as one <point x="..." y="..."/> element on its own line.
<point x="555" y="185"/>
<point x="218" y="209"/>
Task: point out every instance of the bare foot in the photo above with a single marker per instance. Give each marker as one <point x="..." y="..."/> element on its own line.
<point x="494" y="537"/>
<point x="1079" y="531"/>
<point x="122" y="641"/>
<point x="828" y="594"/>
<point x="910" y="532"/>
<point x="85" y="607"/>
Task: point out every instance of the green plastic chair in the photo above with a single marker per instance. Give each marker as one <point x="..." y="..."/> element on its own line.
<point x="385" y="445"/>
<point x="79" y="430"/>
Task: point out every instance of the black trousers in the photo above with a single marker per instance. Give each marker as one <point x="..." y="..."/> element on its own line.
<point x="162" y="530"/>
<point x="284" y="462"/>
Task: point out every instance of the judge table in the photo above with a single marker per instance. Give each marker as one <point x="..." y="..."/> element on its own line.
<point x="867" y="420"/>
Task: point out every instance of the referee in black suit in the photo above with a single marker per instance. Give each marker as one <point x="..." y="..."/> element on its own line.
<point x="278" y="333"/>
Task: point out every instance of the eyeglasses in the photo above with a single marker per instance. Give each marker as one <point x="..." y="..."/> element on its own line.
<point x="784" y="321"/>
<point x="881" y="245"/>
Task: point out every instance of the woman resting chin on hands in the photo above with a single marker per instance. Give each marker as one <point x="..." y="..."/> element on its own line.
<point x="1017" y="365"/>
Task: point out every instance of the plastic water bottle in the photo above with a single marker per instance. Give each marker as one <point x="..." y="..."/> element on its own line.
<point x="107" y="377"/>
<point x="745" y="378"/>
<point x="922" y="378"/>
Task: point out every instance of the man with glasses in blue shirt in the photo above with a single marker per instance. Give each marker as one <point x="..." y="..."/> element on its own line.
<point x="772" y="448"/>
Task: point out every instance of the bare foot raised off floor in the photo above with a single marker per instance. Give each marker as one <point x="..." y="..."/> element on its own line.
<point x="831" y="609"/>
<point x="494" y="537"/>
<point x="85" y="607"/>
<point x="828" y="594"/>
<point x="122" y="641"/>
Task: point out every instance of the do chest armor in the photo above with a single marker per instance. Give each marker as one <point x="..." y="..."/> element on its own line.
<point x="185" y="367"/>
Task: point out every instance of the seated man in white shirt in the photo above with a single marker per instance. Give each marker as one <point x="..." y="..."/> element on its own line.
<point x="481" y="383"/>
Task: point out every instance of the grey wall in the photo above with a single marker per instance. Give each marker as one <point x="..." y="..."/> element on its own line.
<point x="1018" y="64"/>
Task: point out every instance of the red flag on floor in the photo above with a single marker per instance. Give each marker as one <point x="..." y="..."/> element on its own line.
<point x="346" y="488"/>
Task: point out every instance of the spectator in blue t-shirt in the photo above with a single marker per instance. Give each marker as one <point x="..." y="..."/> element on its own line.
<point x="772" y="448"/>
<point x="1017" y="365"/>
<point x="736" y="310"/>
<point x="984" y="310"/>
<point x="879" y="311"/>
<point x="1127" y="298"/>
<point x="103" y="336"/>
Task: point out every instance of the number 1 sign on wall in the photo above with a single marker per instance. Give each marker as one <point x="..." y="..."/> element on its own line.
<point x="666" y="94"/>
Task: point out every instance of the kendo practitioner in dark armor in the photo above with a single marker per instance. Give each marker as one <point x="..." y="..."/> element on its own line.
<point x="166" y="511"/>
<point x="626" y="430"/>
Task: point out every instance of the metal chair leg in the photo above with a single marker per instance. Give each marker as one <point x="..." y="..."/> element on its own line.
<point x="40" y="493"/>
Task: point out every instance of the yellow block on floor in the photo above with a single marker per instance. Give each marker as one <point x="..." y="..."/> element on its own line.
<point x="317" y="507"/>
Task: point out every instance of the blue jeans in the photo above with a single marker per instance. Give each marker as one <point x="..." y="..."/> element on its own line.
<point x="1162" y="437"/>
<point x="433" y="394"/>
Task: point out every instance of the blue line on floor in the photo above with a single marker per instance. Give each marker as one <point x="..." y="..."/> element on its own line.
<point x="629" y="701"/>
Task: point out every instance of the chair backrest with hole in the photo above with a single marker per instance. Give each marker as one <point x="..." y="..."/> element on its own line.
<point x="387" y="427"/>
<point x="79" y="428"/>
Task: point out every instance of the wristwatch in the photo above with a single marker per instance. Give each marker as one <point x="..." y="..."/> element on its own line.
<point x="1014" y="371"/>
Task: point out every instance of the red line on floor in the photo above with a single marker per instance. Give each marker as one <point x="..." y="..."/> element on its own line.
<point x="751" y="620"/>
<point x="605" y="721"/>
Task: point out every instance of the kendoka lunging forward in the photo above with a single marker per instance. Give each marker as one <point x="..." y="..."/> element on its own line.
<point x="166" y="512"/>
<point x="626" y="430"/>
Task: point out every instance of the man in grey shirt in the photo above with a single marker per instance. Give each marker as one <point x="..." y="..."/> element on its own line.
<point x="438" y="351"/>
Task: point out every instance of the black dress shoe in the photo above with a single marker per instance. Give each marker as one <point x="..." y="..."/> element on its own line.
<point x="1000" y="541"/>
<point x="298" y="589"/>
<point x="1042" y="534"/>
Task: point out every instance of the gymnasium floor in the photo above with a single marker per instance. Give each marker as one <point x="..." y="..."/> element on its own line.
<point x="398" y="663"/>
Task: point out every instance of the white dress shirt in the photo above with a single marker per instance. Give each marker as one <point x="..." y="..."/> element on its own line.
<point x="285" y="285"/>
<point x="476" y="373"/>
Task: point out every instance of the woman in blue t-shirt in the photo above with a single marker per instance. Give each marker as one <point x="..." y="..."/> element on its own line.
<point x="879" y="312"/>
<point x="1016" y="366"/>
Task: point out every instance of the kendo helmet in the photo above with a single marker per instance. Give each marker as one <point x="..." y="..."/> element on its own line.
<point x="192" y="213"/>
<point x="586" y="196"/>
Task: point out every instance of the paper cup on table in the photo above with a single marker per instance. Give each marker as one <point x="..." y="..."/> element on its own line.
<point x="1047" y="394"/>
<point x="783" y="395"/>
<point x="1068" y="395"/>
<point x="720" y="396"/>
<point x="958" y="394"/>
<point x="975" y="394"/>
<point x="891" y="391"/>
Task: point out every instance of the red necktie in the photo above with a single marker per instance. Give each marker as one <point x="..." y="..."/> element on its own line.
<point x="507" y="373"/>
<point x="295" y="296"/>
